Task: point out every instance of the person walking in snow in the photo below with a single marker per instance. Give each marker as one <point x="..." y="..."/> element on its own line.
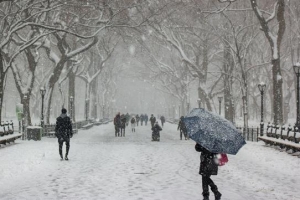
<point x="123" y="125"/>
<point x="117" y="123"/>
<point x="208" y="167"/>
<point x="137" y="119"/>
<point x="132" y="121"/>
<point x="146" y="119"/>
<point x="142" y="118"/>
<point x="163" y="120"/>
<point x="63" y="132"/>
<point x="155" y="132"/>
<point x="127" y="118"/>
<point x="152" y="120"/>
<point x="182" y="128"/>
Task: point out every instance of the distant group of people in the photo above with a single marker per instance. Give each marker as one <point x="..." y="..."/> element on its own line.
<point x="120" y="123"/>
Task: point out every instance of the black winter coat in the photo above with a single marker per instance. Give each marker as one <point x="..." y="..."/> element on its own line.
<point x="63" y="128"/>
<point x="156" y="128"/>
<point x="117" y="121"/>
<point x="208" y="166"/>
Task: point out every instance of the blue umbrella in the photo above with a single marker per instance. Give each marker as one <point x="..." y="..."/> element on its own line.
<point x="213" y="132"/>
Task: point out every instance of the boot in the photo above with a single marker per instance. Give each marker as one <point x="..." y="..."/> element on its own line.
<point x="217" y="194"/>
<point x="205" y="195"/>
<point x="60" y="153"/>
<point x="66" y="157"/>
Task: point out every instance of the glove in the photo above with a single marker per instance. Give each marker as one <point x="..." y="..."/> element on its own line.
<point x="61" y="139"/>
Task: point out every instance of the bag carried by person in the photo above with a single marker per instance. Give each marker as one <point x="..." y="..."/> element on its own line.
<point x="221" y="159"/>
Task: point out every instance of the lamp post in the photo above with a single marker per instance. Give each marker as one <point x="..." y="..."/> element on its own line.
<point x="297" y="72"/>
<point x="173" y="111"/>
<point x="261" y="87"/>
<point x="25" y="116"/>
<point x="220" y="101"/>
<point x="103" y="111"/>
<point x="86" y="110"/>
<point x="43" y="92"/>
<point x="71" y="107"/>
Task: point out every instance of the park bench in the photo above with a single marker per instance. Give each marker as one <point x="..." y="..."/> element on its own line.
<point x="49" y="130"/>
<point x="87" y="126"/>
<point x="7" y="134"/>
<point x="283" y="137"/>
<point x="97" y="123"/>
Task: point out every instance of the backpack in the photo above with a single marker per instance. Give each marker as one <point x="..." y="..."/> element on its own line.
<point x="222" y="159"/>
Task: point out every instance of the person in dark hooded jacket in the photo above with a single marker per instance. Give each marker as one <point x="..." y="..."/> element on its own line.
<point x="182" y="128"/>
<point x="63" y="131"/>
<point x="208" y="167"/>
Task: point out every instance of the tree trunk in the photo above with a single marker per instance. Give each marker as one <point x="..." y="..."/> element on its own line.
<point x="72" y="93"/>
<point x="277" y="89"/>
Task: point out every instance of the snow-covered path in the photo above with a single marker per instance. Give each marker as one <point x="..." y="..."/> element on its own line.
<point x="102" y="166"/>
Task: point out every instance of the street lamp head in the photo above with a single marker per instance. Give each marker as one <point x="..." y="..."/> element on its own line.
<point x="261" y="86"/>
<point x="297" y="69"/>
<point x="42" y="91"/>
<point x="220" y="99"/>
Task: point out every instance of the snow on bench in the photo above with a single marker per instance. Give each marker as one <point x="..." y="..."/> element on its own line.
<point x="7" y="134"/>
<point x="88" y="126"/>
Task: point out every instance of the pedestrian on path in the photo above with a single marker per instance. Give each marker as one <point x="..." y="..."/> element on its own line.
<point x="117" y="123"/>
<point x="208" y="167"/>
<point x="63" y="132"/>
<point x="132" y="124"/>
<point x="182" y="128"/>
<point x="152" y="120"/>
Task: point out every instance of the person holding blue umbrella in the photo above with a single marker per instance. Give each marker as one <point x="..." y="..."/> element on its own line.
<point x="208" y="167"/>
<point x="213" y="135"/>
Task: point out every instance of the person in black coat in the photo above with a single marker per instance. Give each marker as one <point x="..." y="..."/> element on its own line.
<point x="182" y="128"/>
<point x="208" y="167"/>
<point x="155" y="132"/>
<point x="117" y="123"/>
<point x="152" y="120"/>
<point x="163" y="120"/>
<point x="63" y="131"/>
<point x="146" y="119"/>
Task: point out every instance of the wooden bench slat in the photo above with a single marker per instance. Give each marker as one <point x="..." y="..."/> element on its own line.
<point x="279" y="141"/>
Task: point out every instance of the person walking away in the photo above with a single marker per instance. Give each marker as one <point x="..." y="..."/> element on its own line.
<point x="146" y="119"/>
<point x="137" y="119"/>
<point x="142" y="118"/>
<point x="163" y="120"/>
<point x="63" y="132"/>
<point x="132" y="124"/>
<point x="182" y="128"/>
<point x="127" y="118"/>
<point x="155" y="132"/>
<point x="117" y="123"/>
<point x="152" y="120"/>
<point x="123" y="125"/>
<point x="208" y="167"/>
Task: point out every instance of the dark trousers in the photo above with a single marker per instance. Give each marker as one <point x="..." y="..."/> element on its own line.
<point x="206" y="181"/>
<point x="117" y="131"/>
<point x="184" y="134"/>
<point x="61" y="142"/>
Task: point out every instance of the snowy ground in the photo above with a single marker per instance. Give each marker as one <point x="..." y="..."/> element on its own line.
<point x="102" y="166"/>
